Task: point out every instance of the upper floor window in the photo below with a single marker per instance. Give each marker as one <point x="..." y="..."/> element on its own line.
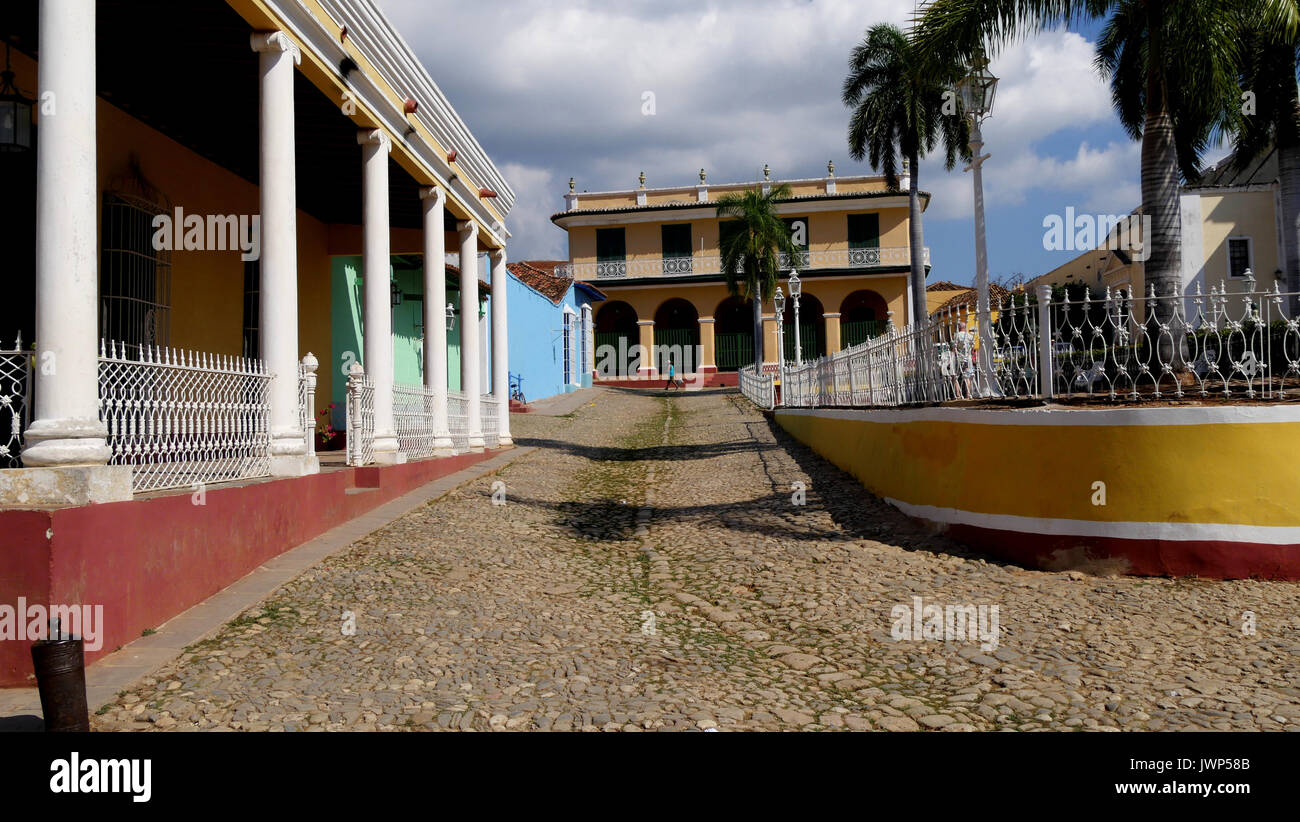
<point x="677" y="248"/>
<point x="1239" y="256"/>
<point x="676" y="240"/>
<point x="864" y="231"/>
<point x="611" y="244"/>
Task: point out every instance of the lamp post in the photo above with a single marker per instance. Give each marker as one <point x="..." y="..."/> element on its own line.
<point x="778" y="302"/>
<point x="977" y="90"/>
<point x="796" y="289"/>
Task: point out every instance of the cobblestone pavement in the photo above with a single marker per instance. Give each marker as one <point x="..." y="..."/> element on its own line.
<point x="649" y="571"/>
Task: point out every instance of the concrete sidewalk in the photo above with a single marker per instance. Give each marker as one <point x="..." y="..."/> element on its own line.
<point x="119" y="670"/>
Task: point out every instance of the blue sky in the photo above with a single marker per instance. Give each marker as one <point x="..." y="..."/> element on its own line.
<point x="553" y="89"/>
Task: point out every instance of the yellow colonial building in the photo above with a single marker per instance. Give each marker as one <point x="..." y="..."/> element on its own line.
<point x="655" y="254"/>
<point x="1231" y="224"/>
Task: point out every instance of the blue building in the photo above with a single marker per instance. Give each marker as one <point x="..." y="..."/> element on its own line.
<point x="551" y="328"/>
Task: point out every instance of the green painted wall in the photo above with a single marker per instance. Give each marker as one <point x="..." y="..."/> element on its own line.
<point x="348" y="334"/>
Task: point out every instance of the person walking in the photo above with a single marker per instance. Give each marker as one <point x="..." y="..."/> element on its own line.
<point x="672" y="376"/>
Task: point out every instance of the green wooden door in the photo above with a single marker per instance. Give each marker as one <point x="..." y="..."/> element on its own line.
<point x="734" y="349"/>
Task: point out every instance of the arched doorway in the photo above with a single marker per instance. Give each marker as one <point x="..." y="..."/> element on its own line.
<point x="616" y="336"/>
<point x="812" y="328"/>
<point x="863" y="315"/>
<point x="677" y="336"/>
<point x="733" y="334"/>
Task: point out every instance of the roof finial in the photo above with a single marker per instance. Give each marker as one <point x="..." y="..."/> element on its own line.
<point x="570" y="184"/>
<point x="642" y="179"/>
<point x="830" y="167"/>
<point x="767" y="172"/>
<point x="701" y="176"/>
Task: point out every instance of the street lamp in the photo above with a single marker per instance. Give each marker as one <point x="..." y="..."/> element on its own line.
<point x="977" y="90"/>
<point x="796" y="288"/>
<point x="778" y="301"/>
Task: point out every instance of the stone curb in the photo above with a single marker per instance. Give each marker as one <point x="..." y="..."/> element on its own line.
<point x="121" y="669"/>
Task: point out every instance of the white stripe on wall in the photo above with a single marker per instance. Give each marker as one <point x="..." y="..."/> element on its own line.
<point x="1064" y="416"/>
<point x="1172" y="531"/>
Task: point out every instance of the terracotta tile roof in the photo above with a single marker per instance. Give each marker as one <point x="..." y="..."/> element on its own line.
<point x="944" y="285"/>
<point x="968" y="297"/>
<point x="540" y="276"/>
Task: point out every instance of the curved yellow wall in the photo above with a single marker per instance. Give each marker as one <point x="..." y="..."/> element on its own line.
<point x="1209" y="490"/>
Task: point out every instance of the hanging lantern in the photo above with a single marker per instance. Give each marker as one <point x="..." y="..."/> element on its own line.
<point x="15" y="113"/>
<point x="977" y="89"/>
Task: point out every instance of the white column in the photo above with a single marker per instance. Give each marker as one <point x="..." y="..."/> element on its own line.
<point x="378" y="330"/>
<point x="500" y="345"/>
<point x="277" y="55"/>
<point x="470" y="365"/>
<point x="435" y="314"/>
<point x="67" y="430"/>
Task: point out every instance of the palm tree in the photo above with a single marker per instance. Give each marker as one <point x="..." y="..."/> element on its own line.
<point x="899" y="104"/>
<point x="751" y="252"/>
<point x="1268" y="71"/>
<point x="1173" y="36"/>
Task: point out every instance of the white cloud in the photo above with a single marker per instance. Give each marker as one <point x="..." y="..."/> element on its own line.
<point x="553" y="89"/>
<point x="529" y="223"/>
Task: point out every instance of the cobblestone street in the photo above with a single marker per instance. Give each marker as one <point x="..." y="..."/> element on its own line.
<point x="650" y="570"/>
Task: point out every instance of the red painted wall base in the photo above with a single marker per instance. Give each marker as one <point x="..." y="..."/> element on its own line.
<point x="148" y="560"/>
<point x="1139" y="557"/>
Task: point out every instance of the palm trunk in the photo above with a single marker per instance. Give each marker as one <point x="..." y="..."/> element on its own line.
<point x="916" y="237"/>
<point x="1160" y="188"/>
<point x="758" y="328"/>
<point x="1288" y="159"/>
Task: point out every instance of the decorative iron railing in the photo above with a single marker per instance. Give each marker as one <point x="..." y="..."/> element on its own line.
<point x="360" y="417"/>
<point x="490" y="414"/>
<point x="183" y="418"/>
<point x="458" y="420"/>
<point x="1112" y="347"/>
<point x="759" y="388"/>
<point x="711" y="264"/>
<point x="1223" y="344"/>
<point x="413" y="419"/>
<point x="15" y="402"/>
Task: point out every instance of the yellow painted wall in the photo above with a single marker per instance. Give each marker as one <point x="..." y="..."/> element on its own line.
<point x="1237" y="214"/>
<point x="207" y="287"/>
<point x="1152" y="472"/>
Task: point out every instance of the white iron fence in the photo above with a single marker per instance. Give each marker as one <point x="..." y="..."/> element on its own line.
<point x="15" y="402"/>
<point x="759" y="388"/>
<point x="1114" y="346"/>
<point x="458" y="420"/>
<point x="490" y="414"/>
<point x="414" y="421"/>
<point x="182" y="418"/>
